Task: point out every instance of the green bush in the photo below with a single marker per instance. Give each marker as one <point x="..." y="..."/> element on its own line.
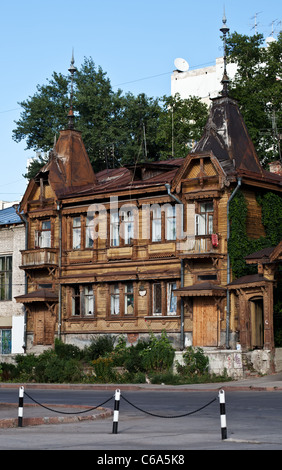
<point x="67" y="351"/>
<point x="100" y="345"/>
<point x="159" y="353"/>
<point x="196" y="363"/>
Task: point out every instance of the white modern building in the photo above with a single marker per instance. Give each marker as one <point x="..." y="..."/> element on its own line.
<point x="204" y="83"/>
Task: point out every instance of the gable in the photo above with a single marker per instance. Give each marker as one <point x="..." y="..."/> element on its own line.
<point x="199" y="169"/>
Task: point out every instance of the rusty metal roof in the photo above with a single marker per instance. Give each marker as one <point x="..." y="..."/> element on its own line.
<point x="227" y="137"/>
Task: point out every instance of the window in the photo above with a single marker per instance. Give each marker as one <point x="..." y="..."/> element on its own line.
<point x="207" y="277"/>
<point x="76" y="233"/>
<point x="204" y="219"/>
<point x="43" y="236"/>
<point x="83" y="301"/>
<point x="115" y="299"/>
<point x="114" y="228"/>
<point x="128" y="299"/>
<point x="89" y="238"/>
<point x="171" y="299"/>
<point x="164" y="301"/>
<point x="5" y="341"/>
<point x="157" y="299"/>
<point x="5" y="277"/>
<point x="157" y="224"/>
<point x="128" y="227"/>
<point x="170" y="223"/>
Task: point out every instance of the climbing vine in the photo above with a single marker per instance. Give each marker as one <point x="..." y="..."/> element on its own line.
<point x="240" y="245"/>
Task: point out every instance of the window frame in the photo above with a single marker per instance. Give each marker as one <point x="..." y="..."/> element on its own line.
<point x="43" y="234"/>
<point x="6" y="278"/>
<point x="79" y="300"/>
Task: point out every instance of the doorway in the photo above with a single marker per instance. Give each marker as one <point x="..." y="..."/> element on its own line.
<point x="257" y="322"/>
<point x="205" y="322"/>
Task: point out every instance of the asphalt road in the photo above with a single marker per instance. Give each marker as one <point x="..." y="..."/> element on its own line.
<point x="154" y="422"/>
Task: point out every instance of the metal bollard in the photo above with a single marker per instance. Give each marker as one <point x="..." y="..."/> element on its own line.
<point x="20" y="409"/>
<point x="116" y="411"/>
<point x="222" y="414"/>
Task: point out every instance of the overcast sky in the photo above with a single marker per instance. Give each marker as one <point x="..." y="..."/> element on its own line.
<point x="135" y="42"/>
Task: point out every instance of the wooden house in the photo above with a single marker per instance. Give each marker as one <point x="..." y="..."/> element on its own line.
<point x="144" y="248"/>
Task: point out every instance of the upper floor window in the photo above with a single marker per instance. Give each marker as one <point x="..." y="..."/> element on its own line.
<point x="170" y="223"/>
<point x="204" y="219"/>
<point x="89" y="236"/>
<point x="76" y="233"/>
<point x="5" y="277"/>
<point x="114" y="228"/>
<point x="128" y="227"/>
<point x="43" y="236"/>
<point x="156" y="223"/>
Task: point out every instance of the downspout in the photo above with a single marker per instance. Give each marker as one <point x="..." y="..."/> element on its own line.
<point x="228" y="264"/>
<point x="60" y="267"/>
<point x="24" y="219"/>
<point x="182" y="339"/>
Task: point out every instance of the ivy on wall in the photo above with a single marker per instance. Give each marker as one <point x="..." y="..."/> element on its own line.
<point x="240" y="245"/>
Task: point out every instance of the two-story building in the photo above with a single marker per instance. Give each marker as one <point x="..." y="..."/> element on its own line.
<point x="144" y="247"/>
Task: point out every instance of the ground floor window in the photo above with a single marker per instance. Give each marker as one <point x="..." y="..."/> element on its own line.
<point x="83" y="301"/>
<point x="5" y="341"/>
<point x="122" y="299"/>
<point x="164" y="301"/>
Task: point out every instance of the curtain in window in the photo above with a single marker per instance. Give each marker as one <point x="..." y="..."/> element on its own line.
<point x="76" y="233"/>
<point x="115" y="300"/>
<point x="171" y="299"/>
<point x="114" y="229"/>
<point x="157" y="224"/>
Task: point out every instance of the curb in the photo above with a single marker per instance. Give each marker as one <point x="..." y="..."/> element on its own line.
<point x="36" y="421"/>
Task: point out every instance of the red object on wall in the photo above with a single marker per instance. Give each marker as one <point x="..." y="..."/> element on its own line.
<point x="214" y="240"/>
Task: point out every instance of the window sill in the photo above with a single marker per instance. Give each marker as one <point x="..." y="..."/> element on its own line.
<point x="161" y="317"/>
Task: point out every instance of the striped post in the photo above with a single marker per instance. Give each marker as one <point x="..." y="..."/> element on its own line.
<point x="20" y="409"/>
<point x="222" y="414"/>
<point x="116" y="411"/>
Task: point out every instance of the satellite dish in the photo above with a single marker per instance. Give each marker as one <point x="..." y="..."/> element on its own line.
<point x="181" y="65"/>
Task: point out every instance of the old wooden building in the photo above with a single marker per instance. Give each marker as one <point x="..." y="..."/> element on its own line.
<point x="144" y="248"/>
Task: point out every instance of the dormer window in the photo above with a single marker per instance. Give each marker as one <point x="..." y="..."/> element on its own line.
<point x="43" y="236"/>
<point x="204" y="219"/>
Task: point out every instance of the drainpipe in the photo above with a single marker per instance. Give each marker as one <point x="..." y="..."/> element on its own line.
<point x="24" y="219"/>
<point x="182" y="339"/>
<point x="60" y="266"/>
<point x="228" y="264"/>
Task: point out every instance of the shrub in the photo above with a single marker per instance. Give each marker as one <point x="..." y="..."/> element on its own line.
<point x="196" y="363"/>
<point x="103" y="368"/>
<point x="159" y="353"/>
<point x="67" y="351"/>
<point x="100" y="346"/>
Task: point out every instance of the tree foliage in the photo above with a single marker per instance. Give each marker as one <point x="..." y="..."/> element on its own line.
<point x="116" y="129"/>
<point x="257" y="87"/>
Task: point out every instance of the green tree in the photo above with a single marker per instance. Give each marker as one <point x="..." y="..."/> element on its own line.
<point x="181" y="124"/>
<point x="116" y="129"/>
<point x="257" y="87"/>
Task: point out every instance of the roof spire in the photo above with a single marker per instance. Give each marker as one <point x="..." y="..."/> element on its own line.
<point x="225" y="79"/>
<point x="72" y="70"/>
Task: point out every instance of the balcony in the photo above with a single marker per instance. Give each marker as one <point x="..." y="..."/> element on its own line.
<point x="39" y="258"/>
<point x="199" y="245"/>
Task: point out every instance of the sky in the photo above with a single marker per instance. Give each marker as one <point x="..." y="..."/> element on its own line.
<point x="135" y="42"/>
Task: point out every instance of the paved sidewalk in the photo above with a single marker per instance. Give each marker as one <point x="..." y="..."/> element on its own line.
<point x="35" y="414"/>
